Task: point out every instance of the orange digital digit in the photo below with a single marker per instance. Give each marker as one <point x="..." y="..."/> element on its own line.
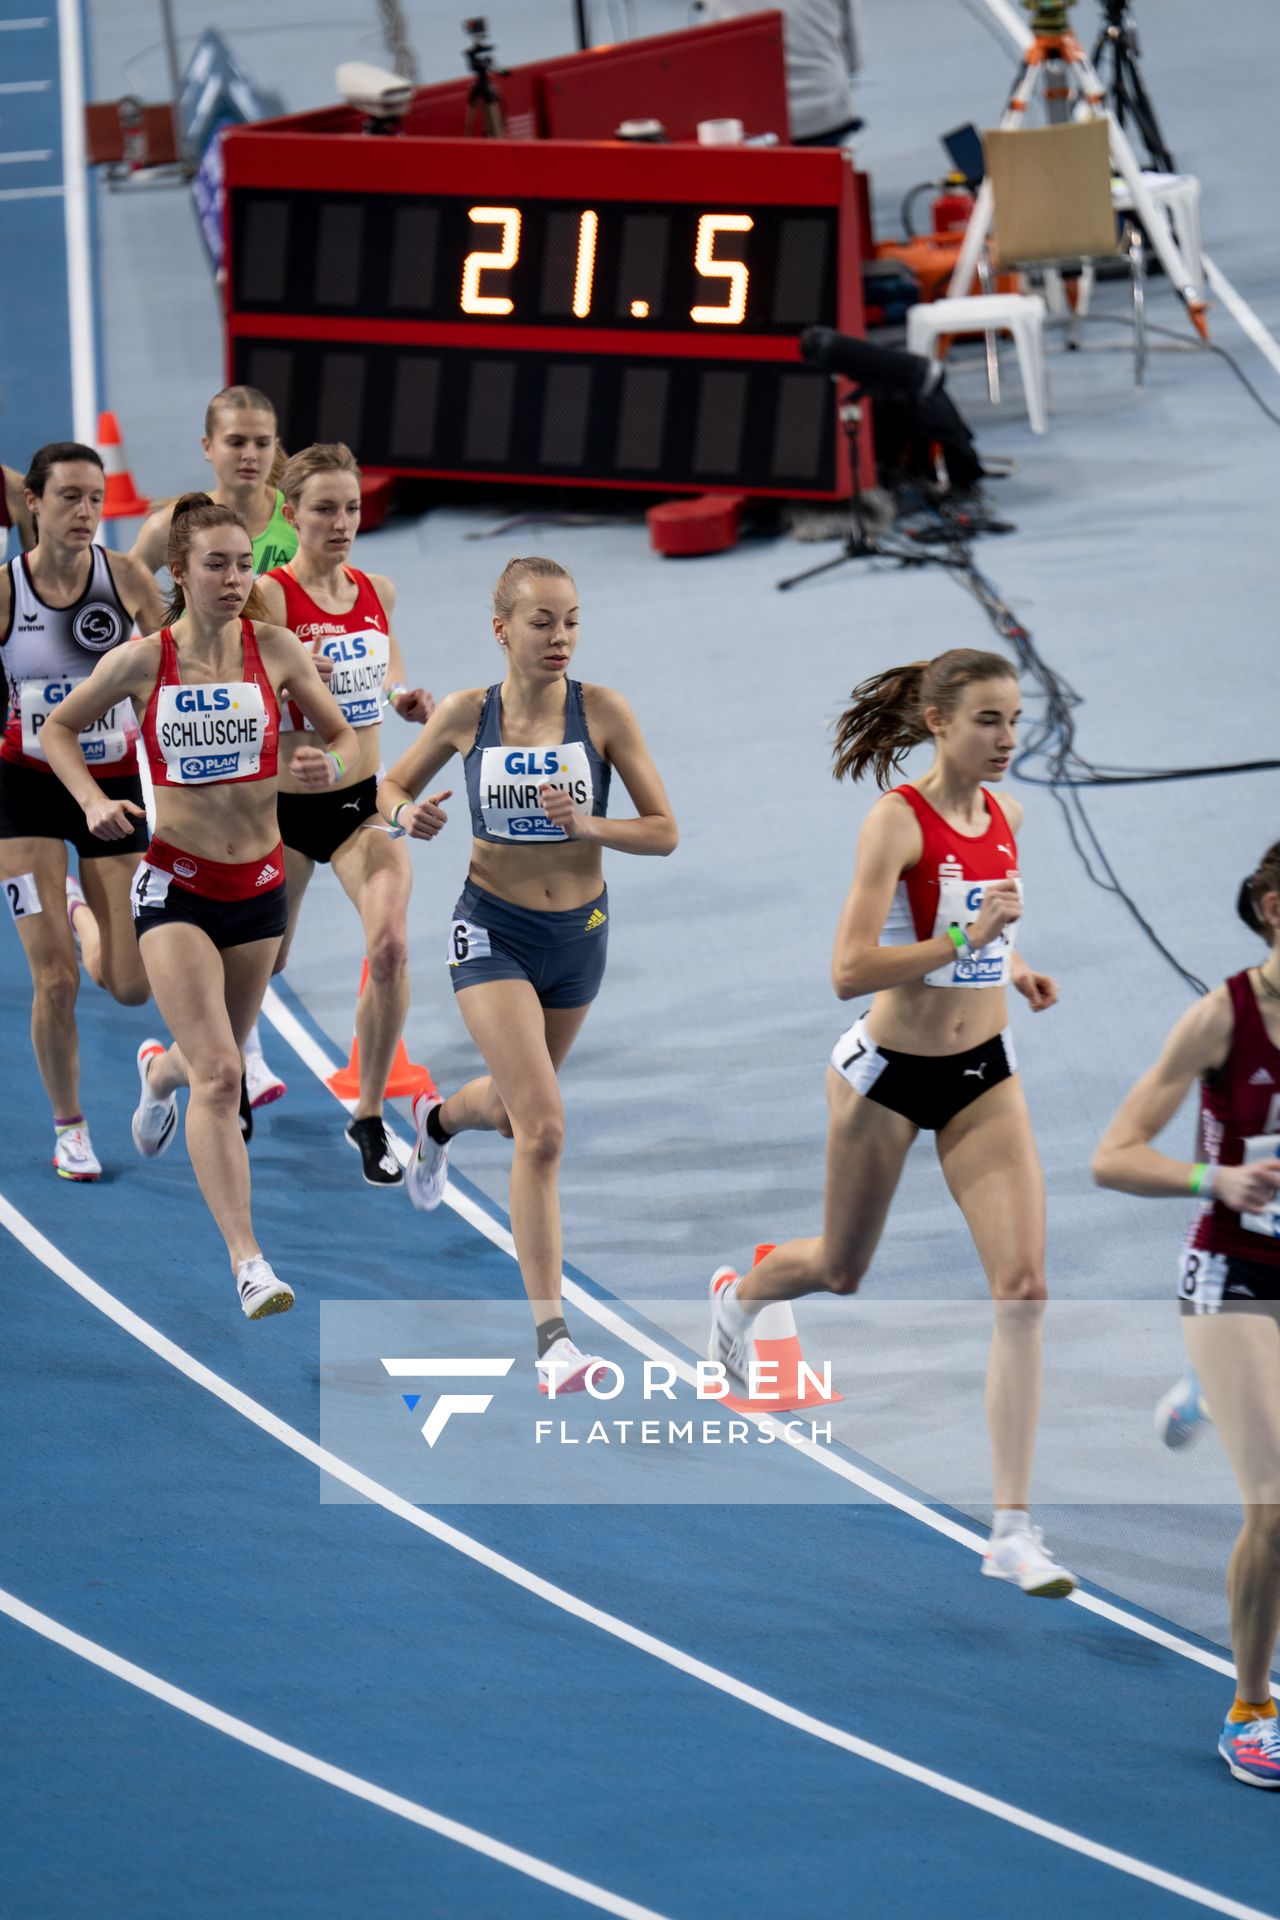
<point x="585" y="271"/>
<point x="731" y="314"/>
<point x="473" y="301"/>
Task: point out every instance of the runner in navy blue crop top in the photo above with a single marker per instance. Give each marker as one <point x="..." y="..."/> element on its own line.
<point x="527" y="945"/>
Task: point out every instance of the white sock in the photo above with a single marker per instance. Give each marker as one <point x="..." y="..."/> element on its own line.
<point x="1009" y="1520"/>
<point x="253" y="1045"/>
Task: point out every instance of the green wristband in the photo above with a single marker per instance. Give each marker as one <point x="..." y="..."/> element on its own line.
<point x="393" y="694"/>
<point x="397" y="811"/>
<point x="337" y="761"/>
<point x="1198" y="1173"/>
<point x="961" y="943"/>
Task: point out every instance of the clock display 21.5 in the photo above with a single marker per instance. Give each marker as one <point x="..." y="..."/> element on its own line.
<point x="715" y="269"/>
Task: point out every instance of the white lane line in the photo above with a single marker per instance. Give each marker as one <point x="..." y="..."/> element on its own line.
<point x="31" y="193"/>
<point x="75" y="220"/>
<point x="22" y="26"/>
<point x="312" y="1055"/>
<point x="29" y="1236"/>
<point x="291" y="1756"/>
<point x="17" y="156"/>
<point x="25" y="86"/>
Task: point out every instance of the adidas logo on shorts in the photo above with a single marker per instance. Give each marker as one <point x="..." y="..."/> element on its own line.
<point x="269" y="873"/>
<point x="1261" y="1078"/>
<point x="597" y="920"/>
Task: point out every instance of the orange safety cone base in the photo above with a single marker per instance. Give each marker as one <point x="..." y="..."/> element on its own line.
<point x="789" y="1395"/>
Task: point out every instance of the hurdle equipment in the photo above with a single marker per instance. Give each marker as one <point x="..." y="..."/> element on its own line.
<point x="405" y="1080"/>
<point x="776" y="1347"/>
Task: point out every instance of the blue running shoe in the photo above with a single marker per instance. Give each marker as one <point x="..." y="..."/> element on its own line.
<point x="1251" y="1748"/>
<point x="1181" y="1412"/>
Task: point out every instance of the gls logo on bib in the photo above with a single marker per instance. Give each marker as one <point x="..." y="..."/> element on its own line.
<point x="511" y="779"/>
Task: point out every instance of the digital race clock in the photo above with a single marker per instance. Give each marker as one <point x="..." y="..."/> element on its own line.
<point x="554" y="311"/>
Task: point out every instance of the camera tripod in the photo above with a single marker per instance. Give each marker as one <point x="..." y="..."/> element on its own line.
<point x="1056" y="65"/>
<point x="483" y="99"/>
<point x="1117" y="44"/>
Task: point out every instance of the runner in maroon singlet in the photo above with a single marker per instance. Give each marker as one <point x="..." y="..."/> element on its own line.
<point x="1229" y="1276"/>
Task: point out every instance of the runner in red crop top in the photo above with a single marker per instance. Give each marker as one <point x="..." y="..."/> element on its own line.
<point x="345" y="617"/>
<point x="209" y="900"/>
<point x="927" y="930"/>
<point x="1229" y="1279"/>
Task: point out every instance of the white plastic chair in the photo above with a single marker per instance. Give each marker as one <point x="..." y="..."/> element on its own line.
<point x="1020" y="314"/>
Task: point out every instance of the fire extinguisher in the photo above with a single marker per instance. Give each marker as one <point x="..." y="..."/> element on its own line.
<point x="952" y="206"/>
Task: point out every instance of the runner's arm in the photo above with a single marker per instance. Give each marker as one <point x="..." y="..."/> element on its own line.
<point x="1125" y="1158"/>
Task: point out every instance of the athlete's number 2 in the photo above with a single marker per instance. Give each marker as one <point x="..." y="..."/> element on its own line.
<point x="17" y="905"/>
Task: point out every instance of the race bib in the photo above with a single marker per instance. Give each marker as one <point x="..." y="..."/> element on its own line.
<point x="211" y="732"/>
<point x="510" y="779"/>
<point x="360" y="662"/>
<point x="959" y="902"/>
<point x="1263" y="1146"/>
<point x="150" y="887"/>
<point x="102" y="744"/>
<point x="467" y="942"/>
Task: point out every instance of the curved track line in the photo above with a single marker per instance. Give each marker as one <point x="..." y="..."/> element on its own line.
<point x="352" y="1783"/>
<point x="30" y="1237"/>
<point x="312" y="1055"/>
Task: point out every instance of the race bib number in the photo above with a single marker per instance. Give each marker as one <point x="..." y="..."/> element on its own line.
<point x="211" y="732"/>
<point x="102" y="744"/>
<point x="959" y="903"/>
<point x="467" y="942"/>
<point x="360" y="662"/>
<point x="150" y="887"/>
<point x="1263" y="1146"/>
<point x="1202" y="1279"/>
<point x="510" y="783"/>
<point x="22" y="894"/>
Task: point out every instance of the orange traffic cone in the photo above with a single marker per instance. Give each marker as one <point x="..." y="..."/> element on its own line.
<point x="404" y="1080"/>
<point x="123" y="501"/>
<point x="788" y="1388"/>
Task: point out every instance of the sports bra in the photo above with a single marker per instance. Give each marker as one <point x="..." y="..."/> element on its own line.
<point x="503" y="782"/>
<point x="213" y="731"/>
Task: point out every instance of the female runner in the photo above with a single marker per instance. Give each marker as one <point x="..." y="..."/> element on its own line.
<point x="62" y="606"/>
<point x="346" y="616"/>
<point x="1229" y="1274"/>
<point x="241" y="445"/>
<point x="527" y="944"/>
<point x="927" y="930"/>
<point x="209" y="900"/>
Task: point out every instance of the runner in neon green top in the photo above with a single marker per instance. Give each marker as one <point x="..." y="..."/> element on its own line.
<point x="240" y="445"/>
<point x="277" y="542"/>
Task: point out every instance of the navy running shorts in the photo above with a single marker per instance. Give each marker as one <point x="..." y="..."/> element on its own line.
<point x="561" y="955"/>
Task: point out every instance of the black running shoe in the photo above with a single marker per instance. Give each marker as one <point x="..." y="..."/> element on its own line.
<point x="246" y="1113"/>
<point x="369" y="1138"/>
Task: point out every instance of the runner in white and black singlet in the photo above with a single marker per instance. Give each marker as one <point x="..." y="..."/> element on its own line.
<point x="63" y="606"/>
<point x="1229" y="1277"/>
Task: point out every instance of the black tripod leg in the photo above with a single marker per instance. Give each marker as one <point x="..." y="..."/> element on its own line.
<point x="852" y="551"/>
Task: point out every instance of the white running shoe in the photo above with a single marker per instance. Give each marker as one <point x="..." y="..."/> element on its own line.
<point x="154" y="1121"/>
<point x="264" y="1086"/>
<point x="74" y="1157"/>
<point x="733" y="1351"/>
<point x="428" y="1167"/>
<point x="260" y="1291"/>
<point x="1023" y="1558"/>
<point x="1181" y="1412"/>
<point x="567" y="1367"/>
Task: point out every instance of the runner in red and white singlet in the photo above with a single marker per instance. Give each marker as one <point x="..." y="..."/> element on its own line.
<point x="1229" y="1280"/>
<point x="927" y="930"/>
<point x="209" y="899"/>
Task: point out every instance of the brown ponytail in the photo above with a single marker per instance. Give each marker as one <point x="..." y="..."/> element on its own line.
<point x="192" y="514"/>
<point x="1265" y="878"/>
<point x="886" y="717"/>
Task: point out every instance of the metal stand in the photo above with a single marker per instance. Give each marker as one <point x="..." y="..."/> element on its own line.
<point x="1117" y="46"/>
<point x="1056" y="64"/>
<point x="859" y="544"/>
